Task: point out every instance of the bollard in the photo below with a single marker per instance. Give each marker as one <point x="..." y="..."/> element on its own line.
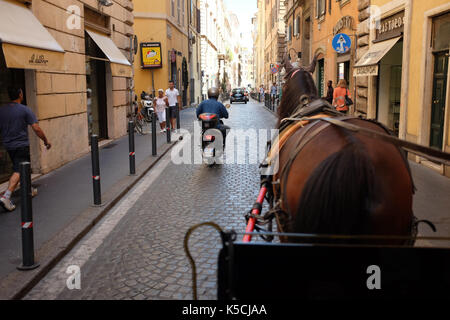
<point x="27" y="219"/>
<point x="95" y="170"/>
<point x="168" y="124"/>
<point x="132" y="153"/>
<point x="154" y="134"/>
<point x="178" y="117"/>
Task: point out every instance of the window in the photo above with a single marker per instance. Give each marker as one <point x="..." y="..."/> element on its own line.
<point x="320" y="8"/>
<point x="173" y="7"/>
<point x="178" y="11"/>
<point x="297" y="26"/>
<point x="289" y="33"/>
<point x="183" y="10"/>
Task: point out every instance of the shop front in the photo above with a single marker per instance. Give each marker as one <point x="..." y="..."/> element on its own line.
<point x="26" y="46"/>
<point x="383" y="62"/>
<point x="103" y="62"/>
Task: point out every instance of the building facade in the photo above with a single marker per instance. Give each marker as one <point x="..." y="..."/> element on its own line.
<point x="331" y="19"/>
<point x="73" y="61"/>
<point x="404" y="70"/>
<point x="274" y="42"/>
<point x="195" y="84"/>
<point x="162" y="26"/>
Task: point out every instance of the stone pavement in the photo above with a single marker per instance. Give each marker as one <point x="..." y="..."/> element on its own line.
<point x="66" y="192"/>
<point x="136" y="251"/>
<point x="143" y="257"/>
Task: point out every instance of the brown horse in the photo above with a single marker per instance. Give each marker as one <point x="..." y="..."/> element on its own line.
<point x="333" y="181"/>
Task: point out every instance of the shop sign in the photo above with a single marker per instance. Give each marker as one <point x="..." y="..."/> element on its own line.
<point x="151" y="55"/>
<point x="391" y="27"/>
<point x="344" y="23"/>
<point x="365" y="71"/>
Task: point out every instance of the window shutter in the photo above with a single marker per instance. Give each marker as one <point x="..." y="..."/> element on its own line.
<point x="198" y="20"/>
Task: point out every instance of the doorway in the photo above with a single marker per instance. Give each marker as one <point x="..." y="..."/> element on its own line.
<point x="343" y="72"/>
<point x="97" y="114"/>
<point x="438" y="99"/>
<point x="8" y="77"/>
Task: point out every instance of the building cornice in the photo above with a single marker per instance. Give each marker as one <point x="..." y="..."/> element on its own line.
<point x="160" y="16"/>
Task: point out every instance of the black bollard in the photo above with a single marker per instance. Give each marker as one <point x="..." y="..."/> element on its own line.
<point x="27" y="219"/>
<point x="154" y="134"/>
<point x="95" y="170"/>
<point x="168" y="124"/>
<point x="132" y="153"/>
<point x="178" y="118"/>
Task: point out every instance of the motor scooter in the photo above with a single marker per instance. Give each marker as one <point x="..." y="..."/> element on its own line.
<point x="211" y="147"/>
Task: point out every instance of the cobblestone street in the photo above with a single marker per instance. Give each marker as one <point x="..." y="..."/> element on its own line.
<point x="143" y="256"/>
<point x="136" y="251"/>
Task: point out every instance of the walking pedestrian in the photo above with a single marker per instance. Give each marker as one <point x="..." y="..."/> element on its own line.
<point x="261" y="93"/>
<point x="329" y="96"/>
<point x="273" y="92"/>
<point x="339" y="96"/>
<point x="14" y="121"/>
<point x="161" y="102"/>
<point x="174" y="98"/>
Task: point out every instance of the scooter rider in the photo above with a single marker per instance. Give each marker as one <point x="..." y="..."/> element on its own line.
<point x="213" y="106"/>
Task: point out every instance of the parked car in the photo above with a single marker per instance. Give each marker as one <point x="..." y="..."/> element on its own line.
<point x="238" y="95"/>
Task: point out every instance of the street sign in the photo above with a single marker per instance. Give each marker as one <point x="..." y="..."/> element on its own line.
<point x="341" y="43"/>
<point x="274" y="68"/>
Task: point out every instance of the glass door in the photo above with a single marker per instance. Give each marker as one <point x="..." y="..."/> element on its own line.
<point x="438" y="101"/>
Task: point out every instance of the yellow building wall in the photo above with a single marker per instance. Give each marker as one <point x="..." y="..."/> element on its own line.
<point x="415" y="63"/>
<point x="322" y="39"/>
<point x="154" y="29"/>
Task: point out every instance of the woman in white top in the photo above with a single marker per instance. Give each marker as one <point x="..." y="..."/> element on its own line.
<point x="160" y="103"/>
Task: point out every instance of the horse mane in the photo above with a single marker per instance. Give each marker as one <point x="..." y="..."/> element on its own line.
<point x="340" y="194"/>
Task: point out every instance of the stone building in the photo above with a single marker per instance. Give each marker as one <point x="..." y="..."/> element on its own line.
<point x="298" y="30"/>
<point x="195" y="83"/>
<point x="274" y="43"/>
<point x="163" y="35"/>
<point x="72" y="58"/>
<point x="330" y="20"/>
<point x="402" y="70"/>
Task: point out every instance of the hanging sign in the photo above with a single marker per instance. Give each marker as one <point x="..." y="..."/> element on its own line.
<point x="151" y="55"/>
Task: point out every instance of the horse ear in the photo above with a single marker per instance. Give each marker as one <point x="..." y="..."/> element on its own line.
<point x="312" y="66"/>
<point x="287" y="64"/>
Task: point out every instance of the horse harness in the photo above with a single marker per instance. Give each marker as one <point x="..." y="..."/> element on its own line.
<point x="305" y="113"/>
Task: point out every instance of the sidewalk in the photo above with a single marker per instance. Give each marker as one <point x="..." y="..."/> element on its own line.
<point x="63" y="205"/>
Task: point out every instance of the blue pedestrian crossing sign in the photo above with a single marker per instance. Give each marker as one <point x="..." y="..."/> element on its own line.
<point x="341" y="43"/>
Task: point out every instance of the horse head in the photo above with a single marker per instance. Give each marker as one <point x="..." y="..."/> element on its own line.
<point x="299" y="87"/>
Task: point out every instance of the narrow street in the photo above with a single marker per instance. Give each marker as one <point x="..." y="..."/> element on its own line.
<point x="136" y="251"/>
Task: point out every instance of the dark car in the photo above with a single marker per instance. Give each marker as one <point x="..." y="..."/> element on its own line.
<point x="238" y="95"/>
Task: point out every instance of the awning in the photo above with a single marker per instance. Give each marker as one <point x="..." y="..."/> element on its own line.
<point x="366" y="66"/>
<point x="26" y="42"/>
<point x="120" y="66"/>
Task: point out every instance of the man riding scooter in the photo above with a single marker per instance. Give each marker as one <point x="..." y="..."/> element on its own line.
<point x="213" y="106"/>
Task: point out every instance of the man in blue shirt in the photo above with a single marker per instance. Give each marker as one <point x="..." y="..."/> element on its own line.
<point x="14" y="121"/>
<point x="213" y="106"/>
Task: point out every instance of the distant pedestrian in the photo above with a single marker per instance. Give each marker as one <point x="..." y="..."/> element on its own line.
<point x="261" y="93"/>
<point x="339" y="94"/>
<point x="273" y="92"/>
<point x="330" y="91"/>
<point x="161" y="102"/>
<point x="174" y="98"/>
<point x="14" y="121"/>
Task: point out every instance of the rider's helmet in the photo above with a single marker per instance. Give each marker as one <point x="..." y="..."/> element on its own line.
<point x="213" y="93"/>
